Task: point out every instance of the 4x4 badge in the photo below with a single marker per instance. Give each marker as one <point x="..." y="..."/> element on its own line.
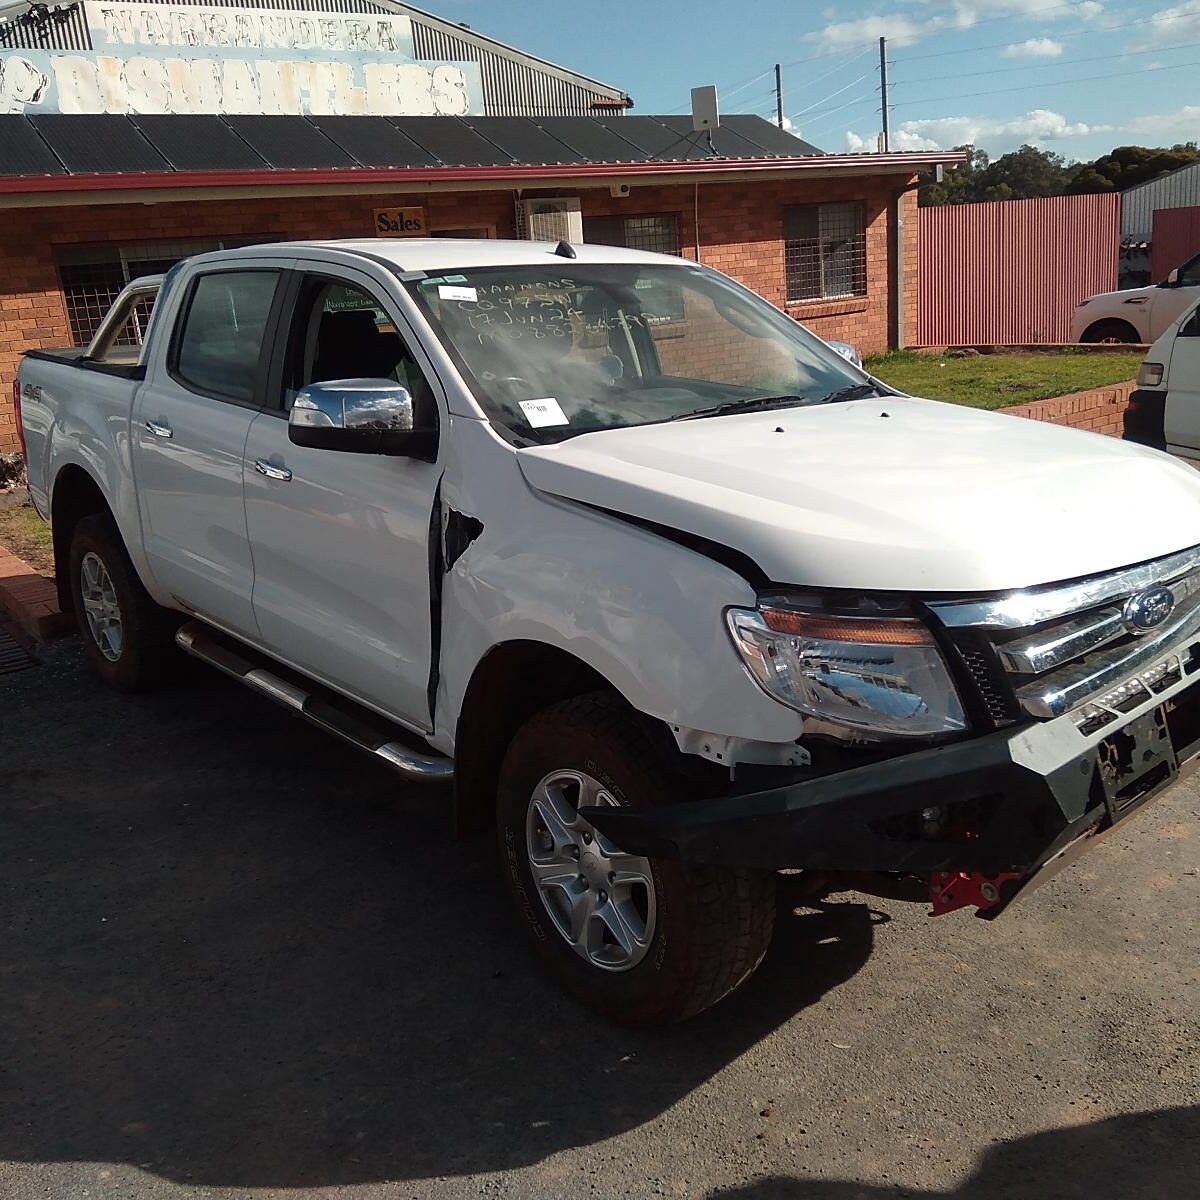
<point x="1148" y="610"/>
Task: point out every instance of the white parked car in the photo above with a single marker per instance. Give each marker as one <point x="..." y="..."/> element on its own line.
<point x="1164" y="411"/>
<point x="1137" y="315"/>
<point x="676" y="595"/>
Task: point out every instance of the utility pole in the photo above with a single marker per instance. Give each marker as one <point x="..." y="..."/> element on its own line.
<point x="883" y="90"/>
<point x="778" y="95"/>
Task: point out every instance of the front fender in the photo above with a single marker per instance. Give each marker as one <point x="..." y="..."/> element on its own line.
<point x="641" y="611"/>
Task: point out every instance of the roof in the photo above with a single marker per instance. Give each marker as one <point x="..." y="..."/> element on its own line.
<point x="450" y="254"/>
<point x="55" y="144"/>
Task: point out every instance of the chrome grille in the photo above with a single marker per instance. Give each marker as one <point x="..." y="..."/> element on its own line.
<point x="1070" y="646"/>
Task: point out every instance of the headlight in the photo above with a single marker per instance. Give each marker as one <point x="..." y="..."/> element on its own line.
<point x="885" y="675"/>
<point x="1150" y="374"/>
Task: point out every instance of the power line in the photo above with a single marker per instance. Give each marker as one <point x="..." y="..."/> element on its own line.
<point x="960" y="50"/>
<point x="1052" y="62"/>
<point x="832" y="95"/>
<point x="1052" y="83"/>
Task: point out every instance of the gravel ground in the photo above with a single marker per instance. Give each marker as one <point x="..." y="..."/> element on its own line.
<point x="240" y="961"/>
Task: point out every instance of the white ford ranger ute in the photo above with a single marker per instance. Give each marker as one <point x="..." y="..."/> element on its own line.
<point x="675" y="595"/>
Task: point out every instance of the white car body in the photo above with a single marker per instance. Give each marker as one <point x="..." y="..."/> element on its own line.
<point x="1017" y="575"/>
<point x="1168" y="392"/>
<point x="1139" y="315"/>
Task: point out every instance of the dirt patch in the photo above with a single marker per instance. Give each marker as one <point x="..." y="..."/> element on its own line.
<point x="24" y="533"/>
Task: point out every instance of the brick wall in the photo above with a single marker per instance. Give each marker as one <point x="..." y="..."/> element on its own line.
<point x="1101" y="409"/>
<point x="740" y="232"/>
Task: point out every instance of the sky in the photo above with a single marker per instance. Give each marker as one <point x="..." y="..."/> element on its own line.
<point x="1075" y="77"/>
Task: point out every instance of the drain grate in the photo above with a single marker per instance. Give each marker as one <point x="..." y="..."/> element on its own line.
<point x="13" y="656"/>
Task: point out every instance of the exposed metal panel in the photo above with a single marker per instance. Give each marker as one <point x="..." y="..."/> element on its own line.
<point x="374" y="141"/>
<point x="592" y="141"/>
<point x="199" y="143"/>
<point x="289" y="142"/>
<point x="67" y="31"/>
<point x="522" y="138"/>
<point x="1176" y="239"/>
<point x="22" y="152"/>
<point x="452" y="143"/>
<point x="1011" y="272"/>
<point x="89" y="144"/>
<point x="1179" y="189"/>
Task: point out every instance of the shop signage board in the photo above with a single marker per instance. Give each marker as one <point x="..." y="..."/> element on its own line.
<point x="167" y="58"/>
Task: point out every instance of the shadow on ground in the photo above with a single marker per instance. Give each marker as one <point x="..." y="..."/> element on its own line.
<point x="1153" y="1155"/>
<point x="238" y="954"/>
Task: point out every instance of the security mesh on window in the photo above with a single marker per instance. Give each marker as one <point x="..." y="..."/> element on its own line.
<point x="825" y="251"/>
<point x="92" y="277"/>
<point x="659" y="233"/>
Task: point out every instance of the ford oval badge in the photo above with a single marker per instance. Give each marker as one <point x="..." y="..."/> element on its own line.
<point x="1148" y="610"/>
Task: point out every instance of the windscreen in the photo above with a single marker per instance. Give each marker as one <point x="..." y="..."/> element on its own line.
<point x="551" y="354"/>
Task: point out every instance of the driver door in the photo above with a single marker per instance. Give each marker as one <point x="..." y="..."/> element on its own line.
<point x="340" y="541"/>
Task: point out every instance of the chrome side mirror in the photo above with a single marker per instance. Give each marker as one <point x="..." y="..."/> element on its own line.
<point x="359" y="416"/>
<point x="1173" y="277"/>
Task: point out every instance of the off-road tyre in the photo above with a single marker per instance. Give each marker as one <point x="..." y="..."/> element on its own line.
<point x="713" y="925"/>
<point x="146" y="643"/>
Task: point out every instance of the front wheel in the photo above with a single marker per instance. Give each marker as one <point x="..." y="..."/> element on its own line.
<point x="1111" y="331"/>
<point x="644" y="941"/>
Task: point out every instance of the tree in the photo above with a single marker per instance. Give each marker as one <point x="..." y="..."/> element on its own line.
<point x="957" y="186"/>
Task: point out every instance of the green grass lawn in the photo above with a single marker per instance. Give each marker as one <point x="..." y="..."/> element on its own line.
<point x="24" y="533"/>
<point x="1000" y="380"/>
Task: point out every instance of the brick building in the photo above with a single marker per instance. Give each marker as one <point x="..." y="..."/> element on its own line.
<point x="95" y="189"/>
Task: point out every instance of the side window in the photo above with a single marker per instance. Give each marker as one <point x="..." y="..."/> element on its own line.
<point x="1189" y="273"/>
<point x="1190" y="327"/>
<point x="343" y="332"/>
<point x="219" y="346"/>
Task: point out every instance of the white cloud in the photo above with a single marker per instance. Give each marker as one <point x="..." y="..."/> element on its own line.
<point x="841" y="36"/>
<point x="905" y="28"/>
<point x="1035" y="48"/>
<point x="1167" y="128"/>
<point x="995" y="135"/>
<point x="1169" y="26"/>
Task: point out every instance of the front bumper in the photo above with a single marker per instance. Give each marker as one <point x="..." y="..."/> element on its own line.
<point x="1006" y="803"/>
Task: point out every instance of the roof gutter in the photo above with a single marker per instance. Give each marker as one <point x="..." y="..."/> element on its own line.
<point x="430" y="178"/>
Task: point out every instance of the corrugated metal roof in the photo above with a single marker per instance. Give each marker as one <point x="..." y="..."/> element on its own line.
<point x="129" y="145"/>
<point x="1179" y="189"/>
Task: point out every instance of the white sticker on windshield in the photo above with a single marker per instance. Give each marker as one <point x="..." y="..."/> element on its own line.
<point x="468" y="294"/>
<point x="540" y="413"/>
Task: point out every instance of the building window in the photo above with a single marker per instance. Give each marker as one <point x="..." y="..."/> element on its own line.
<point x="825" y="251"/>
<point x="659" y="232"/>
<point x="92" y="277"/>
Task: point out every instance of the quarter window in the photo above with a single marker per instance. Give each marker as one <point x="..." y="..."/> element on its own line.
<point x="825" y="251"/>
<point x="222" y="337"/>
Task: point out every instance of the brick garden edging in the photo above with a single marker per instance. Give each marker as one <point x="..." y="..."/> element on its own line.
<point x="30" y="599"/>
<point x="1099" y="409"/>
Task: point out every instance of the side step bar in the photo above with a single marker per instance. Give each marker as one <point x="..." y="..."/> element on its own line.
<point x="326" y="710"/>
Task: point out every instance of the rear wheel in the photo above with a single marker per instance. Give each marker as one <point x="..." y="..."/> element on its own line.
<point x="126" y="636"/>
<point x="1113" y="331"/>
<point x="644" y="941"/>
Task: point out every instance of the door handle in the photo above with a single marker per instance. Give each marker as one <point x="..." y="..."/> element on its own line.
<point x="271" y="471"/>
<point x="159" y="429"/>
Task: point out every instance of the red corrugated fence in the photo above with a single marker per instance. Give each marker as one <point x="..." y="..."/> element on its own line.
<point x="1176" y="239"/>
<point x="1010" y="272"/>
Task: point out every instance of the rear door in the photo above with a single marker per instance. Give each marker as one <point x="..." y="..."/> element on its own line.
<point x="341" y="542"/>
<point x="1182" y="422"/>
<point x="190" y="422"/>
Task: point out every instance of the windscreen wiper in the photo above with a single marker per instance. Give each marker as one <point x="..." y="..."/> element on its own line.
<point x="856" y="391"/>
<point x="751" y="404"/>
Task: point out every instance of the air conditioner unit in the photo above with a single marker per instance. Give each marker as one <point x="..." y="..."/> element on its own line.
<point x="555" y="219"/>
